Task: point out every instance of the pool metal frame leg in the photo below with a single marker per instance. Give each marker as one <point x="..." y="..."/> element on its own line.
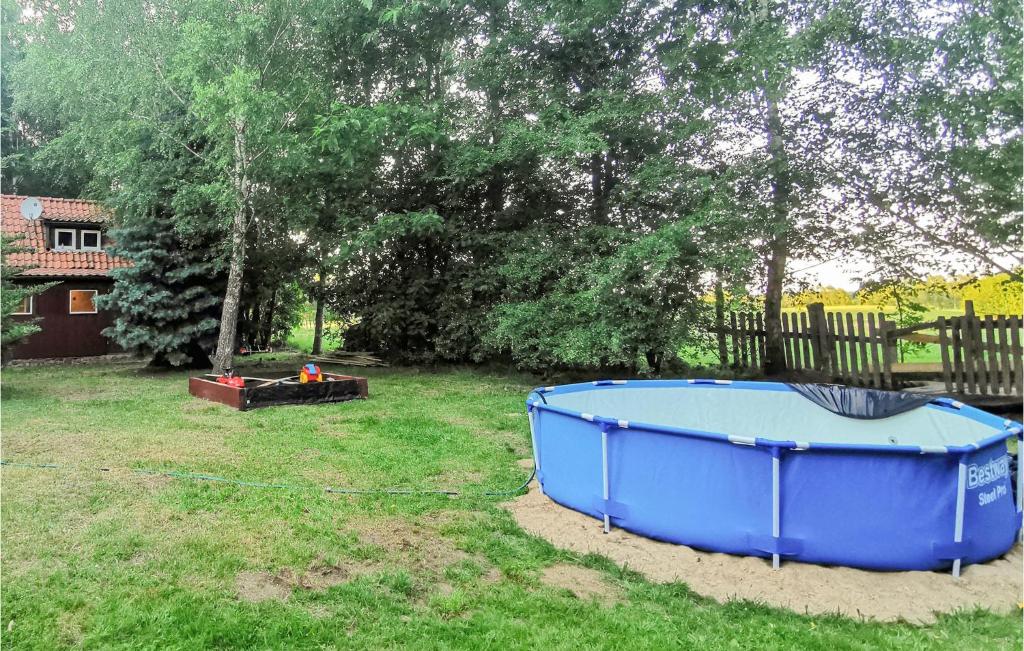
<point x="776" y="506"/>
<point x="536" y="450"/>
<point x="1020" y="485"/>
<point x="606" y="492"/>
<point x="961" y="494"/>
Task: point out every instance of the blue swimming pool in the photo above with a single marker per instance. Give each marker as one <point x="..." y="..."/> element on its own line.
<point x="760" y="469"/>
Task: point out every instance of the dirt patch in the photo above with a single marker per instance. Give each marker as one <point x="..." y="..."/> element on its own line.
<point x="264" y="586"/>
<point x="525" y="464"/>
<point x="804" y="588"/>
<point x="321" y="576"/>
<point x="419" y="545"/>
<point x="255" y="587"/>
<point x="585" y="583"/>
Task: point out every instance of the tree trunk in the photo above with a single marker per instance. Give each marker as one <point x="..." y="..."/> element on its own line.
<point x="653" y="361"/>
<point x="223" y="358"/>
<point x="496" y="184"/>
<point x="598" y="204"/>
<point x="268" y="322"/>
<point x="774" y="352"/>
<point x="318" y="326"/>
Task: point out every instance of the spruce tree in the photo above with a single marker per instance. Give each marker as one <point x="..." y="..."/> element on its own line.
<point x="12" y="294"/>
<point x="166" y="303"/>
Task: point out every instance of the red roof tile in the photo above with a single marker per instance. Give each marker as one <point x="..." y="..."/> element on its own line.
<point x="55" y="263"/>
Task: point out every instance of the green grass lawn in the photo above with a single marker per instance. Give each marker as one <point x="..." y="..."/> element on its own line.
<point x="301" y="339"/>
<point x="118" y="559"/>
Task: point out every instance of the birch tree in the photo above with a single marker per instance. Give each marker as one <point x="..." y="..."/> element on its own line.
<point x="233" y="84"/>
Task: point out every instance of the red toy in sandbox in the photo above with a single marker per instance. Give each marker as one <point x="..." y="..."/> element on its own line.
<point x="229" y="378"/>
<point x="310" y="373"/>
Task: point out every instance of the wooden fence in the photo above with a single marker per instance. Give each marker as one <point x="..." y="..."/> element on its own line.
<point x="980" y="355"/>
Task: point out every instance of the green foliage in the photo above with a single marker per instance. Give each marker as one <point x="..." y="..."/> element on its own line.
<point x="992" y="294"/>
<point x="899" y="298"/>
<point x="13" y="293"/>
<point x="997" y="294"/>
<point x="823" y="294"/>
<point x="626" y="300"/>
<point x="165" y="304"/>
<point x="399" y="161"/>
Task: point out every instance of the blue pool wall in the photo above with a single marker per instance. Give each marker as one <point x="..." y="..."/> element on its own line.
<point x="870" y="506"/>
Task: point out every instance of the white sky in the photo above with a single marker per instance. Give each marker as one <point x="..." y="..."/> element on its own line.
<point x="836" y="273"/>
<point x="846" y="271"/>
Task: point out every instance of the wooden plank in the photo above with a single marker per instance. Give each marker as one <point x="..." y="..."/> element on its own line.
<point x="887" y="358"/>
<point x="735" y="341"/>
<point x="751" y="349"/>
<point x="967" y="330"/>
<point x="817" y="329"/>
<point x="1015" y="353"/>
<point x="741" y="334"/>
<point x="794" y="341"/>
<point x="805" y="341"/>
<point x="947" y="376"/>
<point x="832" y="346"/>
<point x="876" y="375"/>
<point x="794" y="327"/>
<point x="922" y="338"/>
<point x="752" y="341"/>
<point x="828" y="346"/>
<point x="844" y="369"/>
<point x="865" y="367"/>
<point x="851" y="349"/>
<point x="978" y="354"/>
<point x="992" y="365"/>
<point x="787" y="354"/>
<point x="917" y="367"/>
<point x="957" y="350"/>
<point x="917" y="327"/>
<point x="759" y="320"/>
<point x="755" y="350"/>
<point x="1004" y="355"/>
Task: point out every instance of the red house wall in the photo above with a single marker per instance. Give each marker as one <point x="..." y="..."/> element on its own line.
<point x="64" y="334"/>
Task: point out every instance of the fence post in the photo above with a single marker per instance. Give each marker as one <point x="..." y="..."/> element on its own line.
<point x="889" y="351"/>
<point x="819" y="337"/>
<point x="735" y="341"/>
<point x="947" y="365"/>
<point x="970" y="338"/>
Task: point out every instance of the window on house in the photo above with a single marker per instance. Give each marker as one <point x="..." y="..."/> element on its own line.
<point x="25" y="307"/>
<point x="89" y="241"/>
<point x="64" y="238"/>
<point x="83" y="301"/>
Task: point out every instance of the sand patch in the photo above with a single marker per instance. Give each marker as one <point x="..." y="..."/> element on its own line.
<point x="804" y="588"/>
<point x="585" y="583"/>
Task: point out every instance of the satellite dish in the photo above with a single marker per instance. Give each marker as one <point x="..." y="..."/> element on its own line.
<point x="31" y="208"/>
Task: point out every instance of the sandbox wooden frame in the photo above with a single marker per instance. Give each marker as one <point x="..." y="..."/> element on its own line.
<point x="260" y="392"/>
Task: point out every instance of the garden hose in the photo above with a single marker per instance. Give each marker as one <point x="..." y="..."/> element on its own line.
<point x="175" y="474"/>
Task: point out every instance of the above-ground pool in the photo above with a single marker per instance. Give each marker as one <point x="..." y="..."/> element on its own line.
<point x="758" y="468"/>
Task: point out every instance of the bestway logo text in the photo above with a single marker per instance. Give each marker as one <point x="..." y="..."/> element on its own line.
<point x="987" y="473"/>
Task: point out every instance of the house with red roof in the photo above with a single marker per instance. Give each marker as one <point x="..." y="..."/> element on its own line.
<point x="66" y="238"/>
